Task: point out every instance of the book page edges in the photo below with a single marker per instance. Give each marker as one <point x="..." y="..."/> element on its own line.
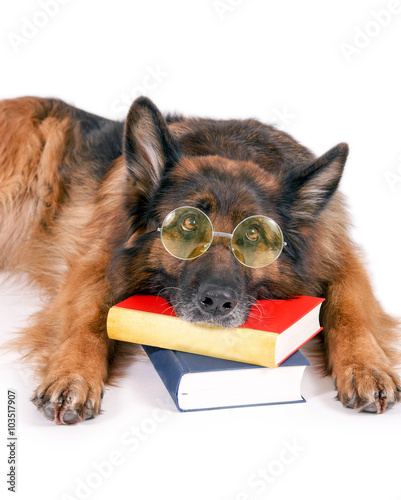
<point x="301" y="345"/>
<point x="169" y="332"/>
<point x="230" y="388"/>
<point x="294" y="337"/>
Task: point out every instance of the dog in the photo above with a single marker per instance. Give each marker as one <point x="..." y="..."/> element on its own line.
<point x="83" y="203"/>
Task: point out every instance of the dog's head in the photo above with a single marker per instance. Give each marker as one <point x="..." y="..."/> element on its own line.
<point x="229" y="170"/>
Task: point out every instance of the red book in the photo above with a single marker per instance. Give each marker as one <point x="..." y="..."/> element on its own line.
<point x="275" y="329"/>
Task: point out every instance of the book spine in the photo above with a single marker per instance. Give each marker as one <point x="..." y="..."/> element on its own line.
<point x="169" y="369"/>
<point x="236" y="344"/>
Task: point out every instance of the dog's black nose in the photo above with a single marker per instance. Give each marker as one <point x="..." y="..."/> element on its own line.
<point x="217" y="300"/>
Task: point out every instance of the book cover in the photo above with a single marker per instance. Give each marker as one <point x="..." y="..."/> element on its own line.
<point x="275" y="329"/>
<point x="201" y="382"/>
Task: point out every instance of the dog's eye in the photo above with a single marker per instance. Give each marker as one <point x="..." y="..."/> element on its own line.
<point x="189" y="223"/>
<point x="252" y="234"/>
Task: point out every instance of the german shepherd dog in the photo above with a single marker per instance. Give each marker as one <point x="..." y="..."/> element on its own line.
<point x="81" y="201"/>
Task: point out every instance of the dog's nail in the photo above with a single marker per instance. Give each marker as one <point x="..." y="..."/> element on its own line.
<point x="398" y="388"/>
<point x="101" y="394"/>
<point x="49" y="412"/>
<point x="350" y="402"/>
<point x="70" y="417"/>
<point x="372" y="408"/>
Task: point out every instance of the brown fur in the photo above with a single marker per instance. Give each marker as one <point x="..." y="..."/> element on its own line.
<point x="82" y="223"/>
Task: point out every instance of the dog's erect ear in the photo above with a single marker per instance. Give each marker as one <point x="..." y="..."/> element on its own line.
<point x="148" y="146"/>
<point x="313" y="185"/>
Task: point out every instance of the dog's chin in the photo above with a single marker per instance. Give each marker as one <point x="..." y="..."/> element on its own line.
<point x="195" y="315"/>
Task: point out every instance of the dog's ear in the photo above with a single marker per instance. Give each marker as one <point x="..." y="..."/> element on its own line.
<point x="312" y="185"/>
<point x="148" y="147"/>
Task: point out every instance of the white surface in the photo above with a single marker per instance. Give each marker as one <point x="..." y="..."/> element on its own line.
<point x="278" y="61"/>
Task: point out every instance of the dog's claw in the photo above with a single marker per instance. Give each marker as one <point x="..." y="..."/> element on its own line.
<point x="49" y="411"/>
<point x="371" y="408"/>
<point x="350" y="403"/>
<point x="70" y="417"/>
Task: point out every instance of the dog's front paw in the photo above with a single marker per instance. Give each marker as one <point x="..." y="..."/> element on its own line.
<point x="373" y="389"/>
<point x="68" y="398"/>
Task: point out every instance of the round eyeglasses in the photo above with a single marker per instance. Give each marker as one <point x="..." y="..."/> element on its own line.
<point x="187" y="233"/>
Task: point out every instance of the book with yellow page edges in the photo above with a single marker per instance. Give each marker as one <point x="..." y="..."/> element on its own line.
<point x="275" y="329"/>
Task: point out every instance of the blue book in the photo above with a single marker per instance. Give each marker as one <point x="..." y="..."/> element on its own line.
<point x="200" y="382"/>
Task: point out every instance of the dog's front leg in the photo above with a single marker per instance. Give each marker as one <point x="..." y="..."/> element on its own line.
<point x="78" y="349"/>
<point x="360" y="341"/>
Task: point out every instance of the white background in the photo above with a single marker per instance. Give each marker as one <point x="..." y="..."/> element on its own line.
<point x="281" y="62"/>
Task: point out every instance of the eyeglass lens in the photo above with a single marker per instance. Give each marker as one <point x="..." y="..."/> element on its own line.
<point x="187" y="233"/>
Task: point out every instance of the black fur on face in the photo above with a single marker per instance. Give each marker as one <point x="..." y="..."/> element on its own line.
<point x="219" y="168"/>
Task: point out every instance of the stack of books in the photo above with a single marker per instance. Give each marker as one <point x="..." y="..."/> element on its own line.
<point x="205" y="367"/>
